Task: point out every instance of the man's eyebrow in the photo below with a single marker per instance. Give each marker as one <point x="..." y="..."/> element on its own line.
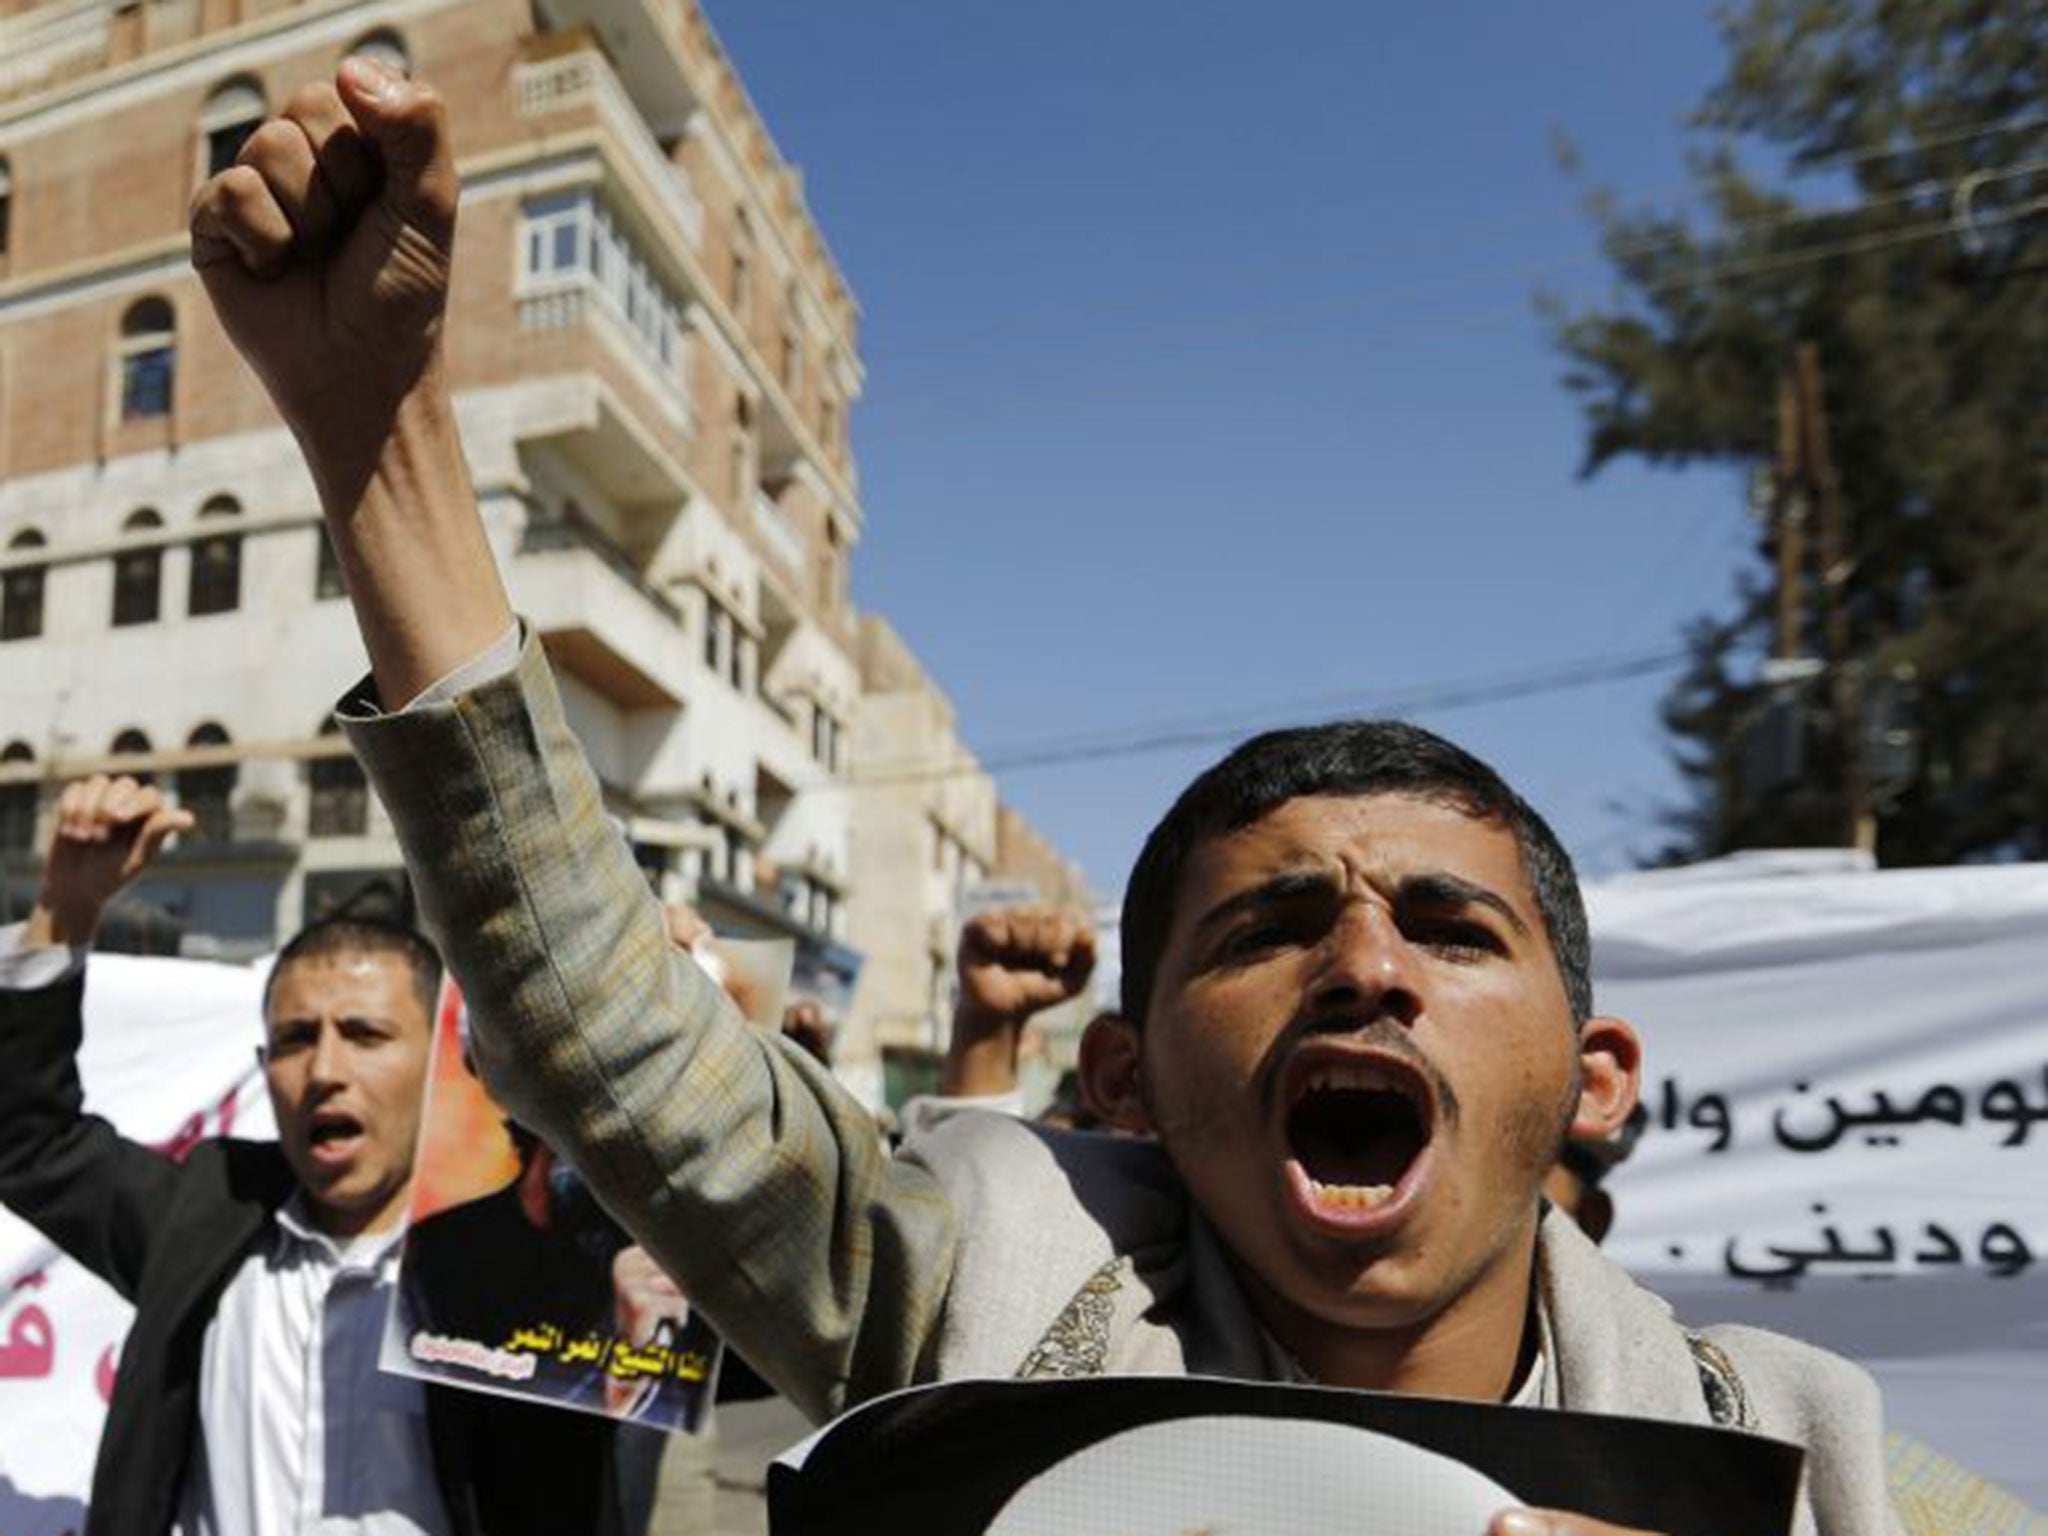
<point x="1447" y="890"/>
<point x="1291" y="885"/>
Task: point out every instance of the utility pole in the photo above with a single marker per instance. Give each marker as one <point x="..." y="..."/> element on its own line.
<point x="1859" y="822"/>
<point x="1806" y="484"/>
<point x="1788" y="521"/>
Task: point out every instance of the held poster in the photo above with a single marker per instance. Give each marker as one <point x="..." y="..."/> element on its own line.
<point x="514" y="1280"/>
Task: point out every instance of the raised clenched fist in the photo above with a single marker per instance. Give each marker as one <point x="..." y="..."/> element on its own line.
<point x="326" y="249"/>
<point x="108" y="831"/>
<point x="1016" y="961"/>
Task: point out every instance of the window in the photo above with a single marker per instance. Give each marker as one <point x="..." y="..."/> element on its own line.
<point x="208" y="793"/>
<point x="6" y="203"/>
<point x="792" y="340"/>
<point x="571" y="238"/>
<point x="386" y="47"/>
<point x="149" y="359"/>
<point x="21" y="590"/>
<point x="742" y="674"/>
<point x="17" y="803"/>
<point x="828" y="421"/>
<point x="717" y="634"/>
<point x="740" y="452"/>
<point x="216" y="562"/>
<point x="132" y="743"/>
<point x="232" y="113"/>
<point x="741" y="291"/>
<point x="340" y="793"/>
<point x="327" y="580"/>
<point x="138" y="573"/>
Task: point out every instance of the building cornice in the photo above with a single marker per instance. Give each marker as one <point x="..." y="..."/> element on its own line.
<point x="207" y="58"/>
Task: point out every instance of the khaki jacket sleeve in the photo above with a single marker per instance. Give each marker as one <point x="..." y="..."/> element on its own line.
<point x="745" y="1169"/>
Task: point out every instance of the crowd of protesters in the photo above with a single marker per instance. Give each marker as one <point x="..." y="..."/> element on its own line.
<point x="1311" y="1142"/>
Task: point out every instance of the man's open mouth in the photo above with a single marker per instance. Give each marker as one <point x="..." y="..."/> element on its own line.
<point x="333" y="1134"/>
<point x="1356" y="1127"/>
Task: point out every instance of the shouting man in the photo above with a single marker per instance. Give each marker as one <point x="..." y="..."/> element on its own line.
<point x="1356" y="1017"/>
<point x="248" y="1398"/>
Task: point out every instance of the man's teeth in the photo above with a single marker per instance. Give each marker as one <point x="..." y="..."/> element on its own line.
<point x="1357" y="1076"/>
<point x="1359" y="1196"/>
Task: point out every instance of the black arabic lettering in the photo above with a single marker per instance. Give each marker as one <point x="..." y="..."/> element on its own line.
<point x="2004" y="1252"/>
<point x="1800" y="1141"/>
<point x="1709" y="1112"/>
<point x="2005" y="1103"/>
<point x="1946" y="1249"/>
<point x="1790" y="1266"/>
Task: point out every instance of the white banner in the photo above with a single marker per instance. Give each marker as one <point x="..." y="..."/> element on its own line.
<point x="170" y="1056"/>
<point x="1847" y="1080"/>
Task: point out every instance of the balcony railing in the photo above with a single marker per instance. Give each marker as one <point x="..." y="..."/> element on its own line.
<point x="577" y="79"/>
<point x="775" y="526"/>
<point x="549" y="534"/>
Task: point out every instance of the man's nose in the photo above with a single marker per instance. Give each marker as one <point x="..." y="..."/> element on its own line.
<point x="1368" y="967"/>
<point x="328" y="1058"/>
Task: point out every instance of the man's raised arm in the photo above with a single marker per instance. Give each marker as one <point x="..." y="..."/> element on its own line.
<point x="326" y="250"/>
<point x="748" y="1173"/>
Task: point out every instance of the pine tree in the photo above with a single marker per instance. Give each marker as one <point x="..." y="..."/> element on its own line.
<point x="1901" y="230"/>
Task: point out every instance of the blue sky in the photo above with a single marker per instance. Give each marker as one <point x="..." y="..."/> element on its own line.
<point x="1204" y="377"/>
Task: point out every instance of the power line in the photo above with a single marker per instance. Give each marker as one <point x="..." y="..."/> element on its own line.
<point x="1206" y="730"/>
<point x="1948" y="187"/>
<point x="1962" y="135"/>
<point x="1807" y="255"/>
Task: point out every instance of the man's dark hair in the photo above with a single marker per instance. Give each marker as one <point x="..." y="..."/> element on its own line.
<point x="363" y="936"/>
<point x="1350" y="758"/>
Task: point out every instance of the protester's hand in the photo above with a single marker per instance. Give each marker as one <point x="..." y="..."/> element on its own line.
<point x="684" y="924"/>
<point x="1016" y="961"/>
<point x="804" y="1022"/>
<point x="1555" y="1522"/>
<point x="326" y="248"/>
<point x="108" y="831"/>
<point x="643" y="1298"/>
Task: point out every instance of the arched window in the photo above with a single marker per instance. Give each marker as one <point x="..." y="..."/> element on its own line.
<point x="232" y="113"/>
<point x="21" y="588"/>
<point x="792" y="339"/>
<point x="216" y="561"/>
<point x="340" y="794"/>
<point x="386" y="47"/>
<point x="17" y="802"/>
<point x="138" y="573"/>
<point x="742" y="290"/>
<point x="132" y="743"/>
<point x="740" y="451"/>
<point x="149" y="359"/>
<point x="208" y="793"/>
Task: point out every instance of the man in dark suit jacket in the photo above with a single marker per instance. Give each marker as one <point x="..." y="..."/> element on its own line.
<point x="260" y="1271"/>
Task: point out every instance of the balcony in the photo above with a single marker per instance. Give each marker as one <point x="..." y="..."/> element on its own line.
<point x="784" y="542"/>
<point x="598" y="618"/>
<point x="582" y="80"/>
<point x="52" y="42"/>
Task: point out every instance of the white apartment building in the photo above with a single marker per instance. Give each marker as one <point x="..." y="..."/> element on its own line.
<point x="654" y="356"/>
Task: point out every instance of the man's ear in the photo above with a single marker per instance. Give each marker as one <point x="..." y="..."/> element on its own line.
<point x="1111" y="1049"/>
<point x="1610" y="1077"/>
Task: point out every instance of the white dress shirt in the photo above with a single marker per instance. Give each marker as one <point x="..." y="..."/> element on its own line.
<point x="299" y="1431"/>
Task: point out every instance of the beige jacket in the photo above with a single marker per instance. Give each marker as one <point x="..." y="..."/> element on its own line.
<point x="989" y="1248"/>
